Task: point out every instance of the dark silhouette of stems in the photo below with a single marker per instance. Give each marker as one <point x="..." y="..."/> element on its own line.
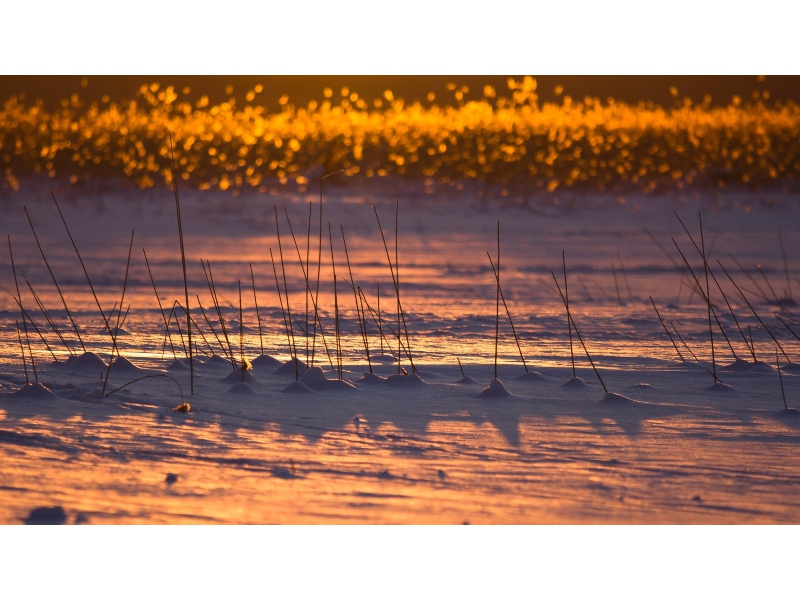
<point x="667" y="331"/>
<point x="22" y="352"/>
<point x="286" y="293"/>
<point x="675" y="329"/>
<point x="625" y="276"/>
<point x="362" y="325"/>
<point x="460" y="367"/>
<point x="497" y="301"/>
<point x="63" y="301"/>
<point x="580" y="337"/>
<point x="21" y="310"/>
<point x="785" y="268"/>
<point x="160" y="308"/>
<point x="566" y="297"/>
<point x="283" y="312"/>
<point x="48" y="317"/>
<point x="85" y="272"/>
<point x="397" y="292"/>
<point x="148" y="377"/>
<point x="260" y="337"/>
<point x="754" y="312"/>
<point x="780" y="376"/>
<point x="183" y="264"/>
<point x="508" y="312"/>
<point x="336" y="307"/>
<point x="115" y="332"/>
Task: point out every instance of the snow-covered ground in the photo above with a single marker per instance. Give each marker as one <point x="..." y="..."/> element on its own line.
<point x="404" y="450"/>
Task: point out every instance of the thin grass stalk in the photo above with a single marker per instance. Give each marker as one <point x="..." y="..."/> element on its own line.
<point x="361" y="323"/>
<point x="497" y="302"/>
<point x="508" y="312"/>
<point x="616" y="285"/>
<point x="708" y="301"/>
<point x="755" y="313"/>
<point x="213" y="288"/>
<point x="380" y="327"/>
<point x="710" y="306"/>
<point x="83" y="266"/>
<point x="308" y="268"/>
<point x="569" y="325"/>
<point x="25" y="315"/>
<point x="115" y="332"/>
<point x="21" y="309"/>
<point x="286" y="293"/>
<point x="580" y="337"/>
<point x="380" y="323"/>
<point x="225" y="351"/>
<point x="675" y="329"/>
<point x="160" y="308"/>
<point x="22" y="353"/>
<point x="211" y="327"/>
<point x="730" y="309"/>
<point x="463" y="375"/>
<point x="780" y="376"/>
<point x="761" y="294"/>
<point x="336" y="306"/>
<point x="260" y="336"/>
<point x="785" y="268"/>
<point x="241" y="333"/>
<point x="671" y="339"/>
<point x="364" y="319"/>
<point x="183" y="264"/>
<point x="769" y="285"/>
<point x="306" y="272"/>
<point x="397" y="292"/>
<point x="787" y="327"/>
<point x="385" y="324"/>
<point x="283" y="312"/>
<point x="63" y="301"/>
<point x="47" y="317"/>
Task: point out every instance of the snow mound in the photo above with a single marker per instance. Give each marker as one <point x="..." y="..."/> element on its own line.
<point x="791" y="413"/>
<point x="240" y="388"/>
<point x="218" y="360"/>
<point x="34" y="390"/>
<point x="574" y="382"/>
<point x="531" y="376"/>
<point x="761" y="367"/>
<point x="288" y="368"/>
<point x="265" y="361"/>
<point x="720" y="387"/>
<point x="86" y="362"/>
<point x="177" y="365"/>
<point x="120" y="331"/>
<point x="641" y="386"/>
<point x="123" y="365"/>
<point x="371" y="378"/>
<point x="791" y="368"/>
<point x="467" y="380"/>
<point x="297" y="387"/>
<point x="405" y="380"/>
<point x="314" y="378"/>
<point x="239" y="376"/>
<point x="738" y="365"/>
<point x="616" y="399"/>
<point x="495" y="389"/>
<point x="46" y="515"/>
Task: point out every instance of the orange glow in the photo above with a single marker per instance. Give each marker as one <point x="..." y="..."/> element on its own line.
<point x="506" y="141"/>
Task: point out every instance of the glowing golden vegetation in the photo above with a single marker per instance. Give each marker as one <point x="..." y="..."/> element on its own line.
<point x="516" y="143"/>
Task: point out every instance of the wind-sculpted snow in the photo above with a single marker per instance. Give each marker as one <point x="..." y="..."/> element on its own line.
<point x="400" y="443"/>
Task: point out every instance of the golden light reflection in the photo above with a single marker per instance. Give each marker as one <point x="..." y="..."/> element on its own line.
<point x="515" y="141"/>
